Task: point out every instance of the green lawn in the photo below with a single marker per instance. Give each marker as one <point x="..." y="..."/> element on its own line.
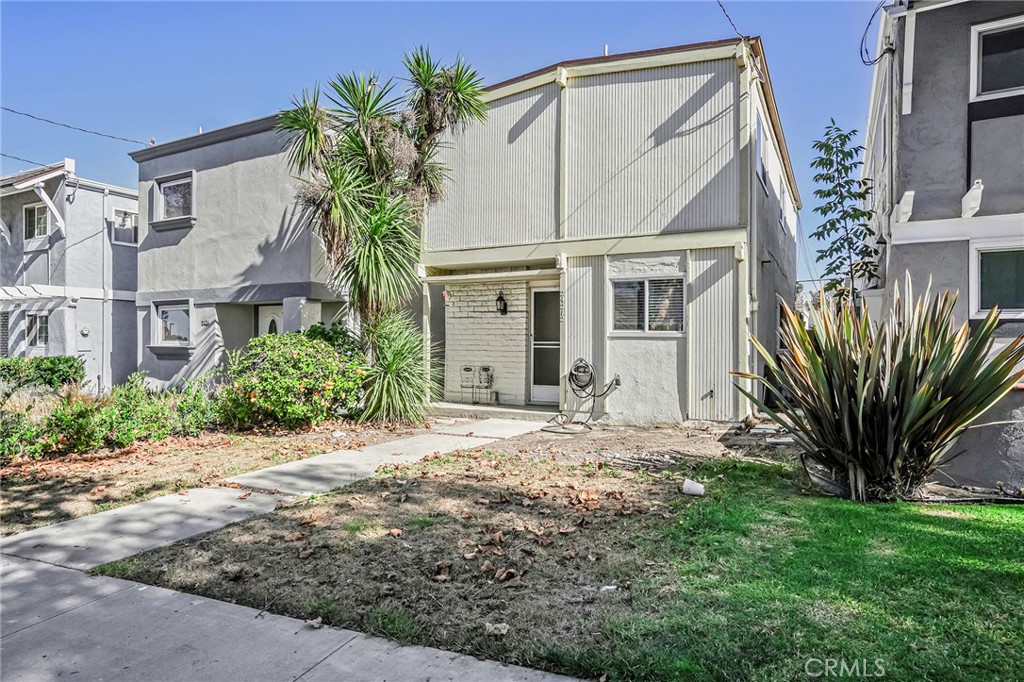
<point x="770" y="581"/>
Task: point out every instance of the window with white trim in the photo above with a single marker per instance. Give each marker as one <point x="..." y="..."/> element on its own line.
<point x="176" y="198"/>
<point x="38" y="330"/>
<point x="173" y="324"/>
<point x="997" y="58"/>
<point x="656" y="304"/>
<point x="37" y="222"/>
<point x="124" y="228"/>
<point x="1001" y="280"/>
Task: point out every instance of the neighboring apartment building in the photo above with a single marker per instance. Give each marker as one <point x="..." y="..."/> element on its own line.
<point x="637" y="211"/>
<point x="68" y="250"/>
<point x="224" y="255"/>
<point x="945" y="149"/>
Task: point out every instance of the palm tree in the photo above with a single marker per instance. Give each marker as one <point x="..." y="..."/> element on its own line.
<point x="369" y="171"/>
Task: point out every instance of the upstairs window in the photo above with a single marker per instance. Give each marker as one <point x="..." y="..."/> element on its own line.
<point x="649" y="305"/>
<point x="37" y="222"/>
<point x="997" y="59"/>
<point x="125" y="227"/>
<point x="1002" y="280"/>
<point x="176" y="198"/>
<point x="38" y="330"/>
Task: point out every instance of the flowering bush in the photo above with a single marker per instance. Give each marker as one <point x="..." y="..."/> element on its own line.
<point x="290" y="380"/>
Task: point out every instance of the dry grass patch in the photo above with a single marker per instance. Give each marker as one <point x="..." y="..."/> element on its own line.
<point x="474" y="552"/>
<point x="45" y="491"/>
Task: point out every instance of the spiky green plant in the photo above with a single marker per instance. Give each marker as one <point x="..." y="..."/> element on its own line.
<point x="399" y="379"/>
<point x="881" y="406"/>
<point x="369" y="171"/>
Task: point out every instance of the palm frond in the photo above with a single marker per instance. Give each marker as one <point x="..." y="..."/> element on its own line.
<point x="305" y="129"/>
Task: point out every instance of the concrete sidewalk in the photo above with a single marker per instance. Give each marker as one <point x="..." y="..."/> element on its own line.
<point x="58" y="622"/>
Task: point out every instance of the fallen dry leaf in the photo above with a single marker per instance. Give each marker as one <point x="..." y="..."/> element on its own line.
<point x="316" y="623"/>
<point x="246" y="495"/>
<point x="395" y="532"/>
<point x="305" y="553"/>
<point x="294" y="537"/>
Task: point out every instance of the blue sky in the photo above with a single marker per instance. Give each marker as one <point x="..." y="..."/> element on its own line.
<point x="160" y="70"/>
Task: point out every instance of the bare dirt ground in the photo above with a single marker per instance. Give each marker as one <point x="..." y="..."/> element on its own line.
<point x="489" y="552"/>
<point x="41" y="492"/>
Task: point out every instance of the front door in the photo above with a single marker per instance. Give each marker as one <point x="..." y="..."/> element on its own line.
<point x="545" y="353"/>
<point x="271" y="319"/>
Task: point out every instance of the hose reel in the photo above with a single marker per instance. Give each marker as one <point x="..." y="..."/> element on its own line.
<point x="581" y="381"/>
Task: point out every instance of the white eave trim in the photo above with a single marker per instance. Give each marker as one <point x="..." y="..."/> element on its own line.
<point x="543" y="273"/>
<point x="1008" y="226"/>
<point x="628" y="64"/>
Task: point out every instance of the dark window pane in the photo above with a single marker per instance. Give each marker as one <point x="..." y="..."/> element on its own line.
<point x="1002" y="60"/>
<point x="1002" y="279"/>
<point x="629" y="306"/>
<point x="126" y="227"/>
<point x="546" y="325"/>
<point x="545" y="366"/>
<point x="667" y="309"/>
<point x="177" y="199"/>
<point x="174" y="326"/>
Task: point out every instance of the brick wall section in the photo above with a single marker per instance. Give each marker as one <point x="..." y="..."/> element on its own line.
<point x="475" y="334"/>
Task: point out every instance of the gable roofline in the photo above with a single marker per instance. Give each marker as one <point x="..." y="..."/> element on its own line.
<point x="225" y="134"/>
<point x="776" y="121"/>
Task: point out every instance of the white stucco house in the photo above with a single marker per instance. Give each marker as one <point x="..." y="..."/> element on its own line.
<point x="637" y="211"/>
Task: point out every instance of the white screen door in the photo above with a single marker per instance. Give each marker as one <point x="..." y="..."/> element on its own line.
<point x="271" y="319"/>
<point x="545" y="353"/>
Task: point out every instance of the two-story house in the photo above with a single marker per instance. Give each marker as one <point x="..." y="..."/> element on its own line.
<point x="68" y="250"/>
<point x="637" y="211"/>
<point x="223" y="253"/>
<point x="945" y="150"/>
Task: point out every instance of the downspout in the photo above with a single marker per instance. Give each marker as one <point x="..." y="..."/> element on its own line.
<point x="104" y="360"/>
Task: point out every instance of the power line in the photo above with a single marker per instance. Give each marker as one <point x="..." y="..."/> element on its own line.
<point x="18" y="158"/>
<point x="71" y="127"/>
<point x="865" y="54"/>
<point x="742" y="37"/>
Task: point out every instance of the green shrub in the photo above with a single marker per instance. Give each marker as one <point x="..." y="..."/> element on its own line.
<point x="19" y="437"/>
<point x="74" y="425"/>
<point x="881" y="406"/>
<point x="289" y="379"/>
<point x="53" y="371"/>
<point x="135" y="413"/>
<point x="194" y="407"/>
<point x="337" y="335"/>
<point x="398" y="385"/>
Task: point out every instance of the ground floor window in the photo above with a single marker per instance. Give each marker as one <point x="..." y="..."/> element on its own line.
<point x="649" y="305"/>
<point x="997" y="278"/>
<point x="38" y="330"/>
<point x="173" y="324"/>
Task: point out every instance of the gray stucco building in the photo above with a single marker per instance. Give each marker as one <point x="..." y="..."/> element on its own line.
<point x="68" y="250"/>
<point x="945" y="149"/>
<point x="637" y="211"/>
<point x="223" y="252"/>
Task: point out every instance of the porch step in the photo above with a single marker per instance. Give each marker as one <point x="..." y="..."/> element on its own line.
<point x="528" y="413"/>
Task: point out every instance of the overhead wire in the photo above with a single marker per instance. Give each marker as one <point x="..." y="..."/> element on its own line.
<point x="71" y="127"/>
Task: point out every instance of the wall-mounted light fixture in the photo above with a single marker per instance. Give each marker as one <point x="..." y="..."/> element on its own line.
<point x="500" y="304"/>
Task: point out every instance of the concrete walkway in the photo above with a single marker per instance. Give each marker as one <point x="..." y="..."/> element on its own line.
<point x="58" y="622"/>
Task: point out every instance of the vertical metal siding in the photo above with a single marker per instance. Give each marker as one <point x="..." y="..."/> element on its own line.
<point x="503" y="177"/>
<point x="711" y="324"/>
<point x="653" y="151"/>
<point x="585" y="316"/>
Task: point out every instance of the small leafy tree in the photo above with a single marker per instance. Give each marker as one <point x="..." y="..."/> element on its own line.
<point x="850" y="253"/>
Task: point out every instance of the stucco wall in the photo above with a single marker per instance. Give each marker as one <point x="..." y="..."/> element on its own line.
<point x="477" y="335"/>
<point x="933" y="155"/>
<point x="247" y="231"/>
<point x="944" y="264"/>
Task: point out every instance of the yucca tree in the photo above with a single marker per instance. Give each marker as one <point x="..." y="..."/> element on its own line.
<point x="369" y="171"/>
<point x="881" y="406"/>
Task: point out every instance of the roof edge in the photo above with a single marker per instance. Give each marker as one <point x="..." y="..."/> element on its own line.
<point x="184" y="144"/>
<point x="612" y="58"/>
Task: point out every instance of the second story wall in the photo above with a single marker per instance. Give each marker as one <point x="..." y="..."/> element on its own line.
<point x="646" y="151"/>
<point x="246" y="231"/>
<point x="947" y="141"/>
